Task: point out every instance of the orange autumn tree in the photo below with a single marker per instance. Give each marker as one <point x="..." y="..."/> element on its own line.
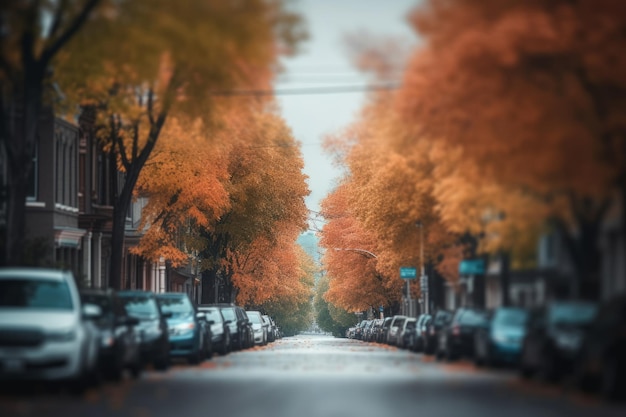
<point x="185" y="182"/>
<point x="390" y="186"/>
<point x="533" y="93"/>
<point x="293" y="312"/>
<point x="143" y="62"/>
<point x="350" y="258"/>
<point x="266" y="206"/>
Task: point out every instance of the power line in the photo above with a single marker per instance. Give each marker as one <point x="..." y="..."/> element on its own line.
<point x="308" y="91"/>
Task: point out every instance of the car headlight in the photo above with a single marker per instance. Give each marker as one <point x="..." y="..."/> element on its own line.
<point x="183" y="328"/>
<point x="499" y="337"/>
<point x="66" y="335"/>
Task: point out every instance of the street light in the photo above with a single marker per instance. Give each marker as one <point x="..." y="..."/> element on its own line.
<point x="423" y="280"/>
<point x="361" y="251"/>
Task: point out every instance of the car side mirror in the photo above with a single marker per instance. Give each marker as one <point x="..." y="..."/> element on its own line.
<point x="211" y="322"/>
<point x="167" y="315"/>
<point x="91" y="311"/>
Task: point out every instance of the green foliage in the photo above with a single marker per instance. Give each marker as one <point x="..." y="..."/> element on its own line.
<point x="329" y="317"/>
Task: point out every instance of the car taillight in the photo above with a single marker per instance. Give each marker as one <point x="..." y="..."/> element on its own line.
<point x="456" y="330"/>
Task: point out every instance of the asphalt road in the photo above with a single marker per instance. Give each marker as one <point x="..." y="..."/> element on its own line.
<point x="315" y="376"/>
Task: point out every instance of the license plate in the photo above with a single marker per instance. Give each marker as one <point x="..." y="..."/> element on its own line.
<point x="13" y="365"/>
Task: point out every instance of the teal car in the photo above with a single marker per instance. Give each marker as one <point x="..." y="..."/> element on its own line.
<point x="189" y="334"/>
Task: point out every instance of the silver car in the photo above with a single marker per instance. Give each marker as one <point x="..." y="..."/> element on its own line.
<point x="259" y="327"/>
<point x="45" y="332"/>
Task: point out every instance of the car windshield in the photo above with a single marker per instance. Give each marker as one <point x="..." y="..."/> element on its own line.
<point x="254" y="317"/>
<point x="212" y="314"/>
<point x="579" y="313"/>
<point x="102" y="301"/>
<point x="35" y="294"/>
<point x="471" y="317"/>
<point x="510" y="317"/>
<point x="140" y="306"/>
<point x="178" y="306"/>
<point x="442" y="317"/>
<point x="229" y="314"/>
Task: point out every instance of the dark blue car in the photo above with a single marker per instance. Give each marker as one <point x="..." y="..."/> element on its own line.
<point x="500" y="340"/>
<point x="188" y="333"/>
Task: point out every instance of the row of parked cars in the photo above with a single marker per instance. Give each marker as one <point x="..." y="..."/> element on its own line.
<point x="51" y="330"/>
<point x="577" y="341"/>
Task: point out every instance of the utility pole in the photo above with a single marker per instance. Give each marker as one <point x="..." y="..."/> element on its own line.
<point x="423" y="278"/>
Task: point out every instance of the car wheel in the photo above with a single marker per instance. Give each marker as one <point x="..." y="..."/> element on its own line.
<point x="162" y="364"/>
<point x="225" y="344"/>
<point x="194" y="358"/>
<point x="208" y="350"/>
<point x="549" y="370"/>
<point x="136" y="368"/>
<point x="610" y="381"/>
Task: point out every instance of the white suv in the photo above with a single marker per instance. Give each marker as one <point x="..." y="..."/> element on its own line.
<point x="45" y="332"/>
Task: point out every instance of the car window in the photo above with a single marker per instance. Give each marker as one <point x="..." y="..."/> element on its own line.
<point x="212" y="314"/>
<point x="471" y="317"/>
<point x="442" y="317"/>
<point x="178" y="306"/>
<point x="255" y="318"/>
<point x="101" y="300"/>
<point x="140" y="306"/>
<point x="229" y="314"/>
<point x="35" y="294"/>
<point x="510" y="317"/>
<point x="579" y="313"/>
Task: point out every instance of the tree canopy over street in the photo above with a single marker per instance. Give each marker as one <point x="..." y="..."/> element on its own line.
<point x="509" y="122"/>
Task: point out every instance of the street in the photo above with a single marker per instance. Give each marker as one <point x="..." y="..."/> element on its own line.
<point x="315" y="376"/>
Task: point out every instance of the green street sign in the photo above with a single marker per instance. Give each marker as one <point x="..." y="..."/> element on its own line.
<point x="472" y="267"/>
<point x="408" y="272"/>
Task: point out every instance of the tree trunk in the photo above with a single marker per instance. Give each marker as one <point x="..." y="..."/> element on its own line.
<point x="20" y="147"/>
<point x="505" y="277"/>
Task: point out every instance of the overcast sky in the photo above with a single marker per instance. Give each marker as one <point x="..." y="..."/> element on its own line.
<point x="323" y="63"/>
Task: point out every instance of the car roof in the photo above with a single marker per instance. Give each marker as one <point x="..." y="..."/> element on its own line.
<point x="95" y="291"/>
<point x="131" y="293"/>
<point x="39" y="273"/>
<point x="172" y="294"/>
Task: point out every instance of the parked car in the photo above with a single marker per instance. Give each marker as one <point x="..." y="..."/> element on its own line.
<point x="456" y="338"/>
<point x="239" y="325"/>
<point x="189" y="334"/>
<point x="553" y="338"/>
<point x="384" y="331"/>
<point x="259" y="327"/>
<point x="46" y="333"/>
<point x="271" y="333"/>
<point x="500" y="341"/>
<point x="394" y="329"/>
<point x="375" y="330"/>
<point x="119" y="341"/>
<point x="220" y="331"/>
<point x="421" y="327"/>
<point x="430" y="338"/>
<point x="601" y="361"/>
<point x="358" y="332"/>
<point x="154" y="345"/>
<point x="406" y="334"/>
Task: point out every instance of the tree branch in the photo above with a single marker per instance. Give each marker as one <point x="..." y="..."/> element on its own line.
<point x="71" y="30"/>
<point x="58" y="19"/>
